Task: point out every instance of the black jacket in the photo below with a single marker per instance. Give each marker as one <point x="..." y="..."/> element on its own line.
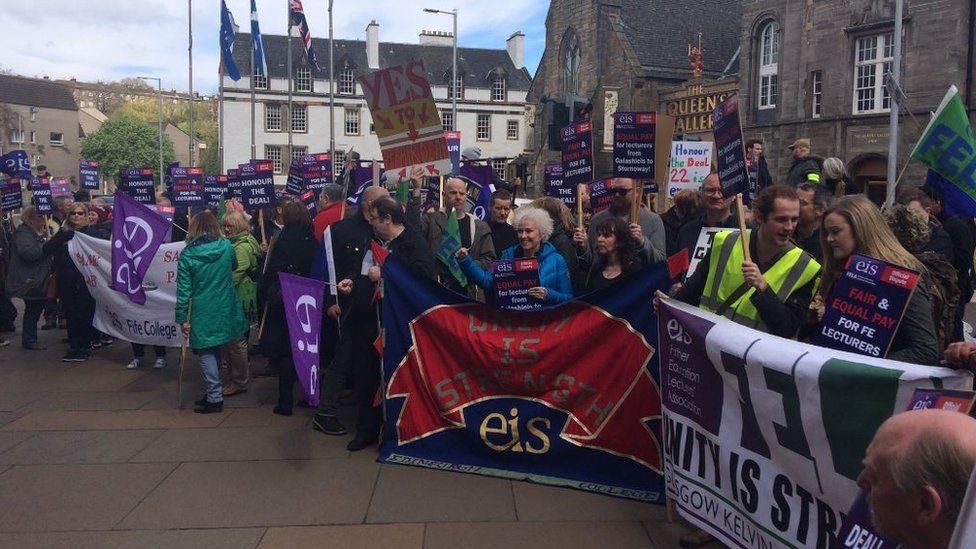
<point x="672" y="225"/>
<point x="57" y="247"/>
<point x="291" y="253"/>
<point x="803" y="167"/>
<point x="412" y="250"/>
<point x="916" y="341"/>
<point x="503" y="235"/>
<point x="963" y="245"/>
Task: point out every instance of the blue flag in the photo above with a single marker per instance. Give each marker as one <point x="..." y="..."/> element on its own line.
<point x="257" y="44"/>
<point x="955" y="201"/>
<point x="16" y="164"/>
<point x="228" y="32"/>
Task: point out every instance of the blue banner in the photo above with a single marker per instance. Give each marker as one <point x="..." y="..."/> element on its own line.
<point x="16" y="164"/>
<point x="567" y="396"/>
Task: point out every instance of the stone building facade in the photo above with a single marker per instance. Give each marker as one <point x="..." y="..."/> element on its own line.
<point x="40" y="117"/>
<point x="816" y="70"/>
<point x="621" y="55"/>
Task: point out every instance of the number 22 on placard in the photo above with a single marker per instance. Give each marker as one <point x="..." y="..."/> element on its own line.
<point x="679" y="175"/>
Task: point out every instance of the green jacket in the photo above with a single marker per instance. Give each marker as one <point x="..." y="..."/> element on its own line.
<point x="247" y="251"/>
<point x="204" y="275"/>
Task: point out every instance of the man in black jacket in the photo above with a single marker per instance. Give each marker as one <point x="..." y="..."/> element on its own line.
<point x="805" y="167"/>
<point x="759" y="177"/>
<point x="503" y="235"/>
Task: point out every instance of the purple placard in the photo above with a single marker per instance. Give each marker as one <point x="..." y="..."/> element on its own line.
<point x="187" y="190"/>
<point x="138" y="183"/>
<point x="633" y="144"/>
<point x="61" y="187"/>
<point x="600" y="197"/>
<point x="11" y="197"/>
<point x="556" y="186"/>
<point x="453" y="140"/>
<point x="257" y="185"/>
<point x="513" y="279"/>
<point x="88" y="174"/>
<point x="214" y="187"/>
<point x="304" y="308"/>
<point x="577" y="153"/>
<point x="43" y="199"/>
<point x="233" y="184"/>
<point x="308" y="199"/>
<point x="730" y="150"/>
<point x="865" y="306"/>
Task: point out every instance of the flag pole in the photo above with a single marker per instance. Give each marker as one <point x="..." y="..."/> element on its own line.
<point x="186" y="341"/>
<point x="189" y="30"/>
<point x="253" y="72"/>
<point x="332" y="100"/>
<point x="220" y="110"/>
<point x="893" y="115"/>
<point x="291" y="82"/>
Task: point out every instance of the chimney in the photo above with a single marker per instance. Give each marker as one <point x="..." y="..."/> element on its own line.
<point x="373" y="44"/>
<point x="516" y="49"/>
<point x="436" y="38"/>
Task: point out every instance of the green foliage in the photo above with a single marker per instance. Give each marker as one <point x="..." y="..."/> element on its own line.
<point x="126" y="142"/>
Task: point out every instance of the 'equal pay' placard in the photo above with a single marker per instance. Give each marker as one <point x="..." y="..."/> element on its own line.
<point x="633" y="144"/>
<point x="577" y="157"/>
<point x="513" y="279"/>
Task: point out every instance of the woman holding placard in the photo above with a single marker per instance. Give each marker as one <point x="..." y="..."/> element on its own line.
<point x="854" y="225"/>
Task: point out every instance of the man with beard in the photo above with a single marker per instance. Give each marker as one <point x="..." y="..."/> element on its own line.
<point x="648" y="231"/>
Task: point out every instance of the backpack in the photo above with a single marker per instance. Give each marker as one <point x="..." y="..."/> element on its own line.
<point x="943" y="290"/>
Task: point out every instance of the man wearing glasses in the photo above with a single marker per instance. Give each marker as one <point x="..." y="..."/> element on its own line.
<point x="649" y="229"/>
<point x="717" y="214"/>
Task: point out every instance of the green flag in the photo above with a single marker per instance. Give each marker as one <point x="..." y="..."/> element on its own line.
<point x="450" y="244"/>
<point x="403" y="192"/>
<point x="947" y="145"/>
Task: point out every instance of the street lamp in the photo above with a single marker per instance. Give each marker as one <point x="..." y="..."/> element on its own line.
<point x="159" y="98"/>
<point x="454" y="74"/>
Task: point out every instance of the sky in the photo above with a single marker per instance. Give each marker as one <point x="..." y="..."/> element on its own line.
<point x="107" y="40"/>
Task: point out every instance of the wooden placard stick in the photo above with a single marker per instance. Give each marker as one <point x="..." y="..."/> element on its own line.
<point x="638" y="199"/>
<point x="264" y="239"/>
<point x="186" y="343"/>
<point x="743" y="233"/>
<point x="579" y="205"/>
<point x="376" y="174"/>
<point x="440" y="194"/>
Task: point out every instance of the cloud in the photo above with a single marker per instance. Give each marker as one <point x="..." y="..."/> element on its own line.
<point x="112" y="39"/>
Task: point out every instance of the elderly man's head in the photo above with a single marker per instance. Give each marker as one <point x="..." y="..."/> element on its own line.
<point x="915" y="475"/>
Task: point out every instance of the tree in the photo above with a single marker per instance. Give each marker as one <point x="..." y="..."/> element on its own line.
<point x="126" y="142"/>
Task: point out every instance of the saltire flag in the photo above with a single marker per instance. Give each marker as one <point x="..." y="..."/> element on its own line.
<point x="948" y="146"/>
<point x="137" y="233"/>
<point x="304" y="303"/>
<point x="296" y="17"/>
<point x="257" y="44"/>
<point x="566" y="396"/>
<point x="954" y="200"/>
<point x="16" y="164"/>
<point x="450" y="244"/>
<point x="228" y="32"/>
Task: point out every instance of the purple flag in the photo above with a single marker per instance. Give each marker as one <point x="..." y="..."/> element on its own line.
<point x="137" y="233"/>
<point x="304" y="307"/>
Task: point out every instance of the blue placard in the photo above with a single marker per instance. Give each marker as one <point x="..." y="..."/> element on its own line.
<point x="233" y="184"/>
<point x="577" y="153"/>
<point x="633" y="144"/>
<point x="88" y="174"/>
<point x="188" y="187"/>
<point x="138" y="183"/>
<point x="513" y="278"/>
<point x="453" y="140"/>
<point x="600" y="197"/>
<point x="865" y="306"/>
<point x="214" y="187"/>
<point x="11" y="197"/>
<point x="556" y="186"/>
<point x="729" y="148"/>
<point x="257" y="185"/>
<point x="43" y="198"/>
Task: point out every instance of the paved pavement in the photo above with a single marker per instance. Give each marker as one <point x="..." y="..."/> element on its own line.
<point x="93" y="455"/>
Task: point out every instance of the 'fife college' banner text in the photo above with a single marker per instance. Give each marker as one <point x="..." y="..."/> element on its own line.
<point x="764" y="437"/>
<point x="153" y="323"/>
<point x="565" y="396"/>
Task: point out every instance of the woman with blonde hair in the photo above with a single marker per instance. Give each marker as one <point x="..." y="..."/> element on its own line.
<point x="207" y="307"/>
<point x="854" y="225"/>
<point x="246" y="251"/>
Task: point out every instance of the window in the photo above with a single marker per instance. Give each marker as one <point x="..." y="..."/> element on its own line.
<point x="872" y="59"/>
<point x="273" y="153"/>
<point x="768" y="65"/>
<point x="571" y="66"/>
<point x="347" y="82"/>
<point x="498" y="166"/>
<point x="16" y="136"/>
<point x="484" y="127"/>
<point x="57" y="138"/>
<point x="33" y="114"/>
<point x="512" y="131"/>
<point x="447" y="120"/>
<point x="272" y="117"/>
<point x="299" y="118"/>
<point x="298" y="151"/>
<point x="816" y="85"/>
<point x="338" y="163"/>
<point x="303" y="80"/>
<point x="498" y="89"/>
<point x="33" y="137"/>
<point x="459" y="86"/>
<point x="260" y="82"/>
<point x="352" y="121"/>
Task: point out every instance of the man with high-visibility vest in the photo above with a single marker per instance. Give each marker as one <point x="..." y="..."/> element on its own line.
<point x="771" y="288"/>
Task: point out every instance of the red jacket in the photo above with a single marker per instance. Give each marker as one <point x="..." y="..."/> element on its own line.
<point x="325" y="218"/>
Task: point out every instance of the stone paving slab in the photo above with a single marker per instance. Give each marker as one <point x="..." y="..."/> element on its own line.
<point x="546" y="503"/>
<point x="414" y="494"/>
<point x="74" y="379"/>
<point x="241" y="444"/>
<point x="80" y="447"/>
<point x="113" y="400"/>
<point x="537" y="535"/>
<point x="224" y="538"/>
<point x="50" y="498"/>
<point x="6" y="418"/>
<point x="10" y="401"/>
<point x="258" y="493"/>
<point x="263" y="417"/>
<point x="123" y="419"/>
<point x="11" y="439"/>
<point x="398" y="536"/>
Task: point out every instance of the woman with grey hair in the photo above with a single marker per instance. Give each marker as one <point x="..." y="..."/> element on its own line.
<point x="835" y="177"/>
<point x="534" y="227"/>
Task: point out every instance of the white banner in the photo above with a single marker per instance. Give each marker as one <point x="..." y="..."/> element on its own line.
<point x="764" y="436"/>
<point x="153" y="323"/>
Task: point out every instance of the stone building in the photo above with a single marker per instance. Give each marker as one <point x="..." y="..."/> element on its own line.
<point x="816" y="70"/>
<point x="40" y="117"/>
<point x="623" y="55"/>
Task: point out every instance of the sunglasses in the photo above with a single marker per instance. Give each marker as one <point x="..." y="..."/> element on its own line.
<point x="77" y="213"/>
<point x="620" y="192"/>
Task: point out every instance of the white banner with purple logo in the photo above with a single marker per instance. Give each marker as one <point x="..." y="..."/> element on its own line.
<point x="304" y="307"/>
<point x="153" y="322"/>
<point x="137" y="233"/>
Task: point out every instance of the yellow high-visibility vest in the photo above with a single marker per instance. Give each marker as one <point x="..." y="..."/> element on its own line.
<point x="793" y="270"/>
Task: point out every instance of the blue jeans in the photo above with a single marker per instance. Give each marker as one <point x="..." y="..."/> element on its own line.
<point x="210" y="364"/>
<point x="32" y="313"/>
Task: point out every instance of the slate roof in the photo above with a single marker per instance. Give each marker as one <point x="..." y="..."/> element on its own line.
<point x="474" y="64"/>
<point x="660" y="31"/>
<point x="36" y="92"/>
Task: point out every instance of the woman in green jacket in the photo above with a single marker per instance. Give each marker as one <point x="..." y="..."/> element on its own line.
<point x="204" y="278"/>
<point x="246" y="250"/>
